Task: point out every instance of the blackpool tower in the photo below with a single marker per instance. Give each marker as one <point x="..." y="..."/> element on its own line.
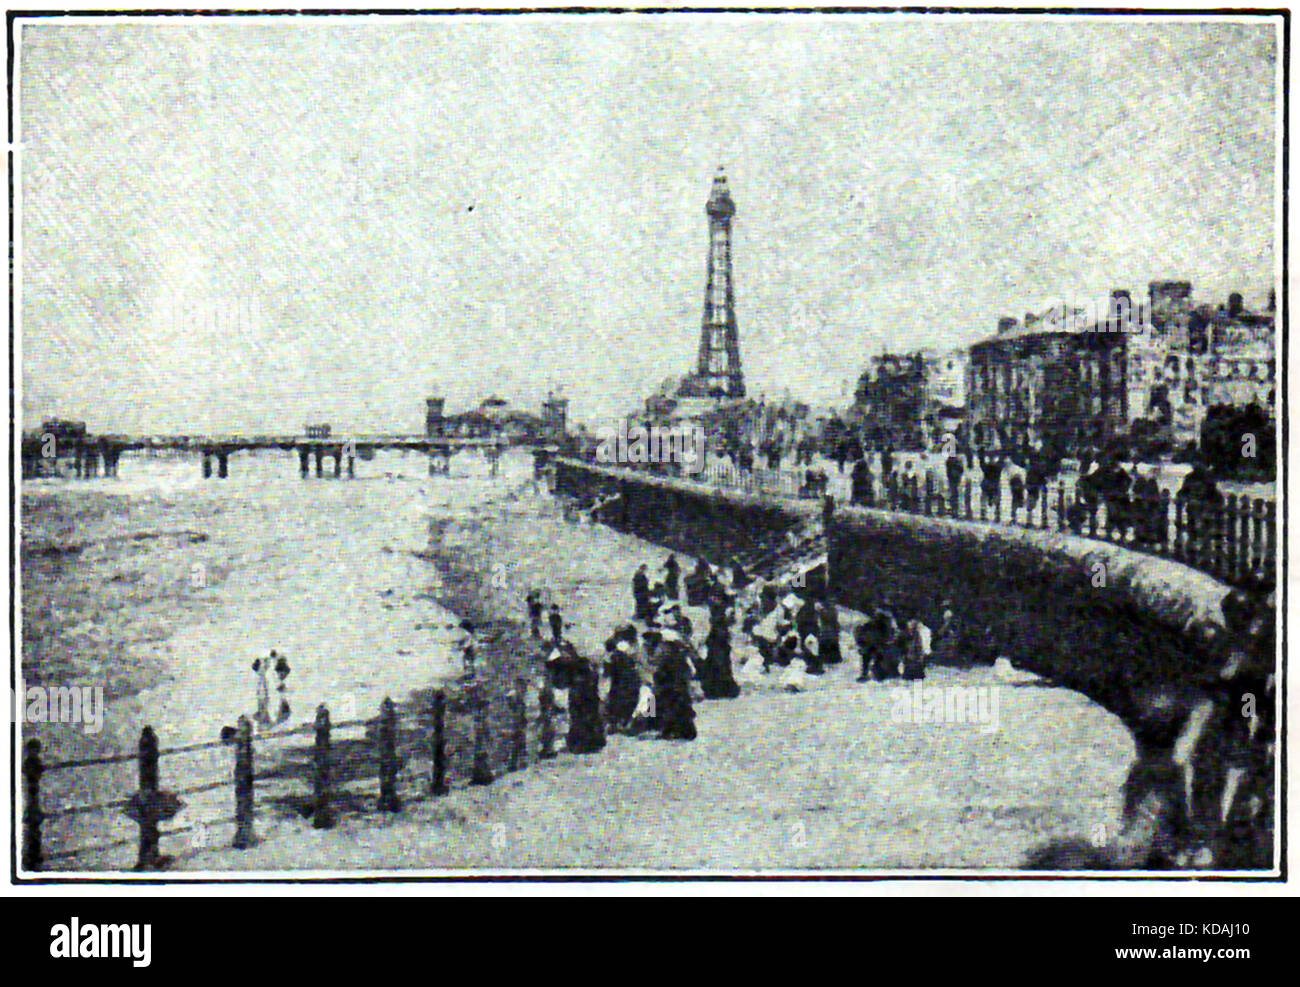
<point x="718" y="373"/>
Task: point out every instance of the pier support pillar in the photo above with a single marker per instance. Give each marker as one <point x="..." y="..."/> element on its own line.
<point x="338" y="463"/>
<point x="304" y="464"/>
<point x="223" y="465"/>
<point x="207" y="465"/>
<point x="352" y="467"/>
<point x="320" y="458"/>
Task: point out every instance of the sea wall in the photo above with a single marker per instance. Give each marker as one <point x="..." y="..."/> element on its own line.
<point x="713" y="523"/>
<point x="1112" y="623"/>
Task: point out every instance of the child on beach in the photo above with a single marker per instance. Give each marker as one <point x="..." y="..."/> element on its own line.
<point x="263" y="715"/>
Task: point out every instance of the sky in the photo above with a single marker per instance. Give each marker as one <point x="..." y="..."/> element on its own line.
<point x="247" y="224"/>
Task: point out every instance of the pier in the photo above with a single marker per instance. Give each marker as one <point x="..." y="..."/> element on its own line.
<point x="87" y="454"/>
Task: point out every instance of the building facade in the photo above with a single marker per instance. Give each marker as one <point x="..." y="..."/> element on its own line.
<point x="1057" y="380"/>
<point x="1076" y="377"/>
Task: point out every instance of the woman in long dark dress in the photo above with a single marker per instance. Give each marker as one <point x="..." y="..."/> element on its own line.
<point x="571" y="671"/>
<point x="715" y="671"/>
<point x="625" y="681"/>
<point x="828" y="633"/>
<point x="672" y="680"/>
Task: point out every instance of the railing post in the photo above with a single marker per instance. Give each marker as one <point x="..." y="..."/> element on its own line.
<point x="1270" y="542"/>
<point x="438" y="783"/>
<point x="243" y="785"/>
<point x="1217" y="526"/>
<point x="388" y="801"/>
<point x="1243" y="538"/>
<point x="969" y="489"/>
<point x="929" y="494"/>
<point x="546" y="721"/>
<point x="32" y="815"/>
<point x="519" y="725"/>
<point x="482" y="771"/>
<point x="1231" y="517"/>
<point x="147" y="801"/>
<point x="1060" y="505"/>
<point x="1161" y="522"/>
<point x="322" y="816"/>
<point x="1257" y="537"/>
<point x="1177" y="544"/>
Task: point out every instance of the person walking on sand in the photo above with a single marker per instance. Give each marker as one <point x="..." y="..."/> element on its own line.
<point x="263" y="715"/>
<point x="916" y="649"/>
<point x="534" y="602"/>
<point x="282" y="670"/>
<point x="672" y="689"/>
<point x="828" y="633"/>
<point x="629" y="673"/>
<point x="641" y="594"/>
<point x="716" y="677"/>
<point x="556" y="621"/>
<point x="468" y="646"/>
<point x="570" y="671"/>
<point x="672" y="573"/>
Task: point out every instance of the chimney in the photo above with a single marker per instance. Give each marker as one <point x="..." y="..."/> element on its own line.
<point x="1006" y="324"/>
<point x="1234" y="304"/>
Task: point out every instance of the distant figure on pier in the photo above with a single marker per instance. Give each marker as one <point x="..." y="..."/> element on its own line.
<point x="672" y="573"/>
<point x="642" y="609"/>
<point x="535" y="607"/>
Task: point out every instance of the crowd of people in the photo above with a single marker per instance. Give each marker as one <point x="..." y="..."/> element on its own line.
<point x="772" y="633"/>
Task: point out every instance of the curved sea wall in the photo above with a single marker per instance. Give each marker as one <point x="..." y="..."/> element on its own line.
<point x="686" y="517"/>
<point x="1097" y="617"/>
<point x="1180" y="658"/>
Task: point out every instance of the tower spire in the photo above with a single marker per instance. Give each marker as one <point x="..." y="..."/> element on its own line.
<point x="718" y="372"/>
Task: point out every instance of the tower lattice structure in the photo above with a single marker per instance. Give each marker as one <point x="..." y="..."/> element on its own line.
<point x="718" y="372"/>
